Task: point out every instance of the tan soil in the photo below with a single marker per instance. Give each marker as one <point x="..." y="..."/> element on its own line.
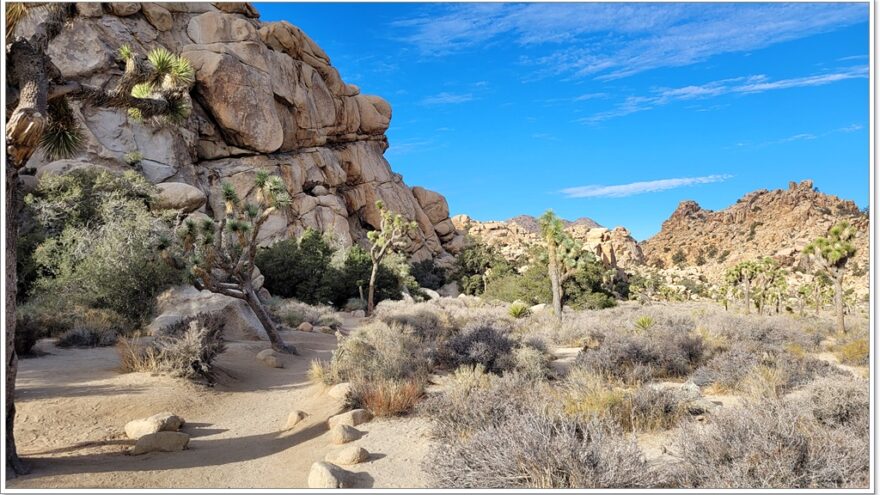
<point x="73" y="405"/>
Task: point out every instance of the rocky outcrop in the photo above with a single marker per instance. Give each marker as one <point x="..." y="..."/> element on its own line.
<point x="266" y="97"/>
<point x="513" y="238"/>
<point x="778" y="223"/>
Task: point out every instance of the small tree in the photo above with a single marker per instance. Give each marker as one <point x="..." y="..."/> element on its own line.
<point x="830" y="255"/>
<point x="391" y="236"/>
<point x="565" y="256"/>
<point x="221" y="254"/>
<point x="744" y="274"/>
<point x="769" y="277"/>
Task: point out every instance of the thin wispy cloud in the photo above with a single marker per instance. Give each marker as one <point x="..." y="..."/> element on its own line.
<point x="740" y="85"/>
<point x="609" y="41"/>
<point x="447" y="98"/>
<point x="633" y="188"/>
<point x="803" y="136"/>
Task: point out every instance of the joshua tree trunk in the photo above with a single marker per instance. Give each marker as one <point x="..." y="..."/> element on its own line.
<point x="14" y="464"/>
<point x="555" y="284"/>
<point x="838" y="303"/>
<point x="371" y="292"/>
<point x="253" y="301"/>
<point x="748" y="296"/>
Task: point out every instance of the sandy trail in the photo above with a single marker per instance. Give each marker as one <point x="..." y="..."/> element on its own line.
<point x="73" y="405"/>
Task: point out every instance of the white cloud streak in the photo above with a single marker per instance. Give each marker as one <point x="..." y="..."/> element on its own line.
<point x="609" y="41"/>
<point x="633" y="188"/>
<point x="740" y="85"/>
<point x="447" y="98"/>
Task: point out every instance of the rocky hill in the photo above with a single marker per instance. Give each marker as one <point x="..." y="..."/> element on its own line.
<point x="266" y="98"/>
<point x="777" y="223"/>
<point x="513" y="238"/>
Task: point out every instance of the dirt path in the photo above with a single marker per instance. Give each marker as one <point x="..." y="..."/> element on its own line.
<point x="73" y="405"/>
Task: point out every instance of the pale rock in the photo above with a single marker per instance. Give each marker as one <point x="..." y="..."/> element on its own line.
<point x="177" y="303"/>
<point x="327" y="475"/>
<point x="163" y="441"/>
<point x="305" y="327"/>
<point x="351" y="418"/>
<point x="348" y="456"/>
<point x="179" y="196"/>
<point x="158" y="16"/>
<point x="451" y="289"/>
<point x="339" y="391"/>
<point x="341" y="434"/>
<point x="124" y="9"/>
<point x="358" y="313"/>
<point x="432" y="294"/>
<point x="433" y="204"/>
<point x="244" y="8"/>
<point x="270" y="358"/>
<point x="89" y="9"/>
<point x="219" y="27"/>
<point x="294" y="418"/>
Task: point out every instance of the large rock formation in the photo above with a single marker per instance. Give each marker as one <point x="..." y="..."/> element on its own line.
<point x="515" y="237"/>
<point x="777" y="223"/>
<point x="266" y="98"/>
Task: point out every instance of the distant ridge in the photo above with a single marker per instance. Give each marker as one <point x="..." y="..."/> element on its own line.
<point x="530" y="223"/>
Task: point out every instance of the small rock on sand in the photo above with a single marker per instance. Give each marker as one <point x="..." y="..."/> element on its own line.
<point x="163" y="441"/>
<point x="327" y="475"/>
<point x="294" y="419"/>
<point x="348" y="456"/>
<point x="164" y="421"/>
<point x="270" y="358"/>
<point x="341" y="434"/>
<point x="339" y="391"/>
<point x="305" y="327"/>
<point x="350" y="418"/>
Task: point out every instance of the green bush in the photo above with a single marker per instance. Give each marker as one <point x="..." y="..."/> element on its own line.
<point x="428" y="274"/>
<point x="353" y="276"/>
<point x="476" y="265"/>
<point x="518" y="310"/>
<point x="101" y="247"/>
<point x="297" y="269"/>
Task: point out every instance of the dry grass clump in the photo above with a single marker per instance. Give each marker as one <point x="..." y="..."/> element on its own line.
<point x="769" y="444"/>
<point x="185" y="349"/>
<point x="586" y="395"/>
<point x="533" y="449"/>
<point x="840" y="401"/>
<point x="387" y="397"/>
<point x="87" y="337"/>
<point x="293" y="313"/>
<point x="428" y="320"/>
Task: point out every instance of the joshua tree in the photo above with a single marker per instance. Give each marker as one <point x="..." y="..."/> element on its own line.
<point x="154" y="87"/>
<point x="830" y="254"/>
<point x="744" y="274"/>
<point x="393" y="235"/>
<point x="221" y="254"/>
<point x="565" y="256"/>
<point x="767" y="281"/>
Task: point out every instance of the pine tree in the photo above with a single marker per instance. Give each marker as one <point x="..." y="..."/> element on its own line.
<point x="153" y="87"/>
<point x="830" y="255"/>
<point x="391" y="236"/>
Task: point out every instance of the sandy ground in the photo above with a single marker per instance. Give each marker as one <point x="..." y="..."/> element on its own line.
<point x="73" y="405"/>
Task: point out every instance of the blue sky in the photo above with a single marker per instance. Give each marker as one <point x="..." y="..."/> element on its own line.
<point x="616" y="112"/>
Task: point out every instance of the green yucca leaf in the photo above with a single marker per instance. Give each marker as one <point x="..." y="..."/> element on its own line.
<point x="261" y="178"/>
<point x="63" y="136"/>
<point x="162" y="60"/>
<point x="142" y="90"/>
<point x="208" y="226"/>
<point x="182" y="72"/>
<point x="229" y="193"/>
<point x="251" y="210"/>
<point x="125" y="52"/>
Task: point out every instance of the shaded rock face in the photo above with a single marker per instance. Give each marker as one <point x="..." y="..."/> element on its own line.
<point x="778" y="223"/>
<point x="266" y="98"/>
<point x="513" y="238"/>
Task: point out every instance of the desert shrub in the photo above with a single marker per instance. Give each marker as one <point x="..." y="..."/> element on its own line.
<point x="102" y="243"/>
<point x="727" y="369"/>
<point x="769" y="444"/>
<point x="476" y="265"/>
<point x="518" y="309"/>
<point x="531" y="362"/>
<point x="428" y="320"/>
<point x="531" y="286"/>
<point x="27" y="332"/>
<point x="297" y="268"/>
<point x="855" y="352"/>
<point x="840" y="402"/>
<point x="187" y="349"/>
<point x="386" y="397"/>
<point x="293" y="313"/>
<point x="379" y="352"/>
<point x="475" y="399"/>
<point x="355" y="304"/>
<point x="537" y="450"/>
<point x="86" y="337"/>
<point x="643" y="323"/>
<point x="482" y="342"/>
<point x="428" y="274"/>
<point x="588" y="395"/>
<point x="653" y="408"/>
<point x="664" y="353"/>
